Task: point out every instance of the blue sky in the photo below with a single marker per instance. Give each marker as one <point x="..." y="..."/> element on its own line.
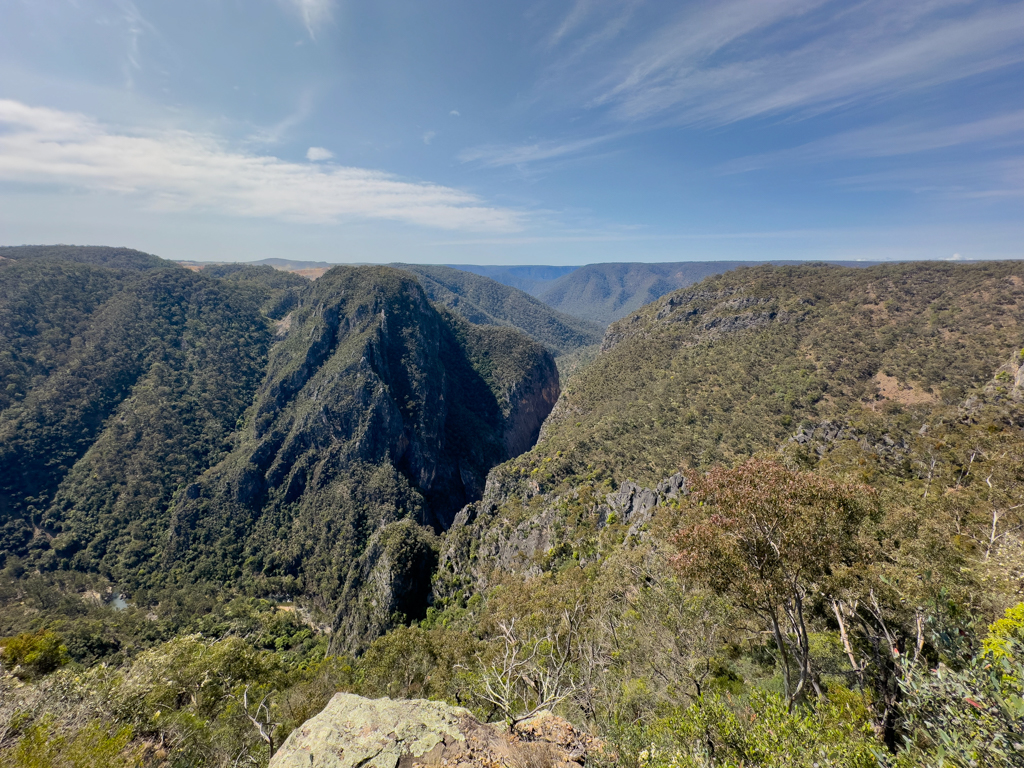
<point x="558" y="132"/>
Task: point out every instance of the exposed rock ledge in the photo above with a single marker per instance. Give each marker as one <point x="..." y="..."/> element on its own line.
<point x="383" y="733"/>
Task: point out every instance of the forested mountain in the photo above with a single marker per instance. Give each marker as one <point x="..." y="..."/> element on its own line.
<point x="278" y="291"/>
<point x="718" y="372"/>
<point x="778" y="521"/>
<point x="485" y="301"/>
<point x="162" y="425"/>
<point x="120" y="384"/>
<point x="479" y="299"/>
<point x="780" y="489"/>
<point x="377" y="419"/>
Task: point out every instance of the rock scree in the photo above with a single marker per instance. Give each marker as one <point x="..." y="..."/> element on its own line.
<point x="385" y="733"/>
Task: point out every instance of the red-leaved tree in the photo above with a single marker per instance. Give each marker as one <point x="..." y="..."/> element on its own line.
<point x="768" y="538"/>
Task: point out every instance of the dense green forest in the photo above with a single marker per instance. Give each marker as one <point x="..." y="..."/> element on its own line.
<point x="778" y="520"/>
<point x="249" y="429"/>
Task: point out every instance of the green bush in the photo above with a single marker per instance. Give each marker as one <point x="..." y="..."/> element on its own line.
<point x="715" y="731"/>
<point x="973" y="716"/>
<point x="93" y="746"/>
<point x="30" y="655"/>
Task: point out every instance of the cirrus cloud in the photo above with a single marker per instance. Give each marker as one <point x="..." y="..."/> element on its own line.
<point x="312" y="12"/>
<point x="180" y="170"/>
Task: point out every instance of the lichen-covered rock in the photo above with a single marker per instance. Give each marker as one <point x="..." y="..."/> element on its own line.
<point x="376" y="733"/>
<point x="384" y="733"/>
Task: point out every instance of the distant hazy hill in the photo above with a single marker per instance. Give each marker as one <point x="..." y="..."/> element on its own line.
<point x="534" y="279"/>
<point x="485" y="301"/>
<point x="604" y="293"/>
<point x="292" y="265"/>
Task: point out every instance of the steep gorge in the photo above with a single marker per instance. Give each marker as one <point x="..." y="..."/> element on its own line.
<point x="194" y="445"/>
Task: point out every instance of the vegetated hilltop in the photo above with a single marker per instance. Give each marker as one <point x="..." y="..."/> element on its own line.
<point x="244" y="425"/>
<point x="607" y="292"/>
<point x="721" y="370"/>
<point x="278" y="290"/>
<point x="96" y="255"/>
<point x="479" y="299"/>
<point x="484" y="301"/>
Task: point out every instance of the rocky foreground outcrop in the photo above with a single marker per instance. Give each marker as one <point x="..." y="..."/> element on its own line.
<point x="384" y="733"/>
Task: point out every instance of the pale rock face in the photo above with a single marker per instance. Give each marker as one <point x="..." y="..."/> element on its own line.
<point x="375" y="733"/>
<point x="384" y="733"/>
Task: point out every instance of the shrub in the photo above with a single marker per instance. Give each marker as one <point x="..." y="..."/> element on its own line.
<point x="30" y="655"/>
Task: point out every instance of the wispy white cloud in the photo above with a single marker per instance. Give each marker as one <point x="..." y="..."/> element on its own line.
<point x="990" y="180"/>
<point x="317" y="154"/>
<point x="496" y="156"/>
<point x="592" y="22"/>
<point x="890" y="140"/>
<point x="719" y="63"/>
<point x="135" y="26"/>
<point x="712" y="64"/>
<point x="579" y="11"/>
<point x="279" y="131"/>
<point x="180" y="170"/>
<point x="429" y="136"/>
<point x="314" y="13"/>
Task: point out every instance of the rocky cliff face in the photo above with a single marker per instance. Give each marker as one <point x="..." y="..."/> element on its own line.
<point x="530" y="400"/>
<point x="483" y="542"/>
<point x="379" y="417"/>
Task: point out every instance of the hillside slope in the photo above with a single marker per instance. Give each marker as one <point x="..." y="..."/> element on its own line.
<point x="731" y="366"/>
<point x="484" y="301"/>
<point x="122" y="385"/>
<point x="244" y="426"/>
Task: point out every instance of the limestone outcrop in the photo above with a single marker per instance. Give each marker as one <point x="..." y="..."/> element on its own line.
<point x="385" y="733"/>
